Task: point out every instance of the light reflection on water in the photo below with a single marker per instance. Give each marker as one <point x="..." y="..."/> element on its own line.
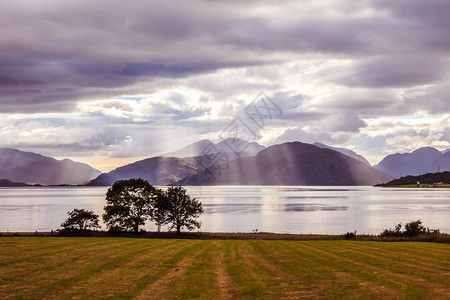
<point x="328" y="210"/>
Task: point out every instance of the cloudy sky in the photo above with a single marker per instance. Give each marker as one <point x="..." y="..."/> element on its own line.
<point x="109" y="82"/>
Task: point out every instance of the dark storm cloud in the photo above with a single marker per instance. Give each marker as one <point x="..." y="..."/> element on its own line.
<point x="433" y="99"/>
<point x="53" y="53"/>
<point x="428" y="20"/>
<point x="393" y="72"/>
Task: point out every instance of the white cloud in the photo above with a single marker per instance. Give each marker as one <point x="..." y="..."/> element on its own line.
<point x="144" y="78"/>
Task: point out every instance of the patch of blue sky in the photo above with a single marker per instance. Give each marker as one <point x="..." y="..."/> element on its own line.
<point x="137" y="99"/>
<point x="55" y="122"/>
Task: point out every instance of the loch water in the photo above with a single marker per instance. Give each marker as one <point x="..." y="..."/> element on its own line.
<point x="280" y="209"/>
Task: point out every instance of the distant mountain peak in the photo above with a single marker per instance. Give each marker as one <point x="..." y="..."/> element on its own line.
<point x="236" y="147"/>
<point x="20" y="166"/>
<point x="190" y="150"/>
<point x="421" y="161"/>
<point x="427" y="151"/>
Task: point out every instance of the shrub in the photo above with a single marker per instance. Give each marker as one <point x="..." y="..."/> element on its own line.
<point x="350" y="235"/>
<point x="80" y="220"/>
<point x="396" y="232"/>
<point x="412" y="229"/>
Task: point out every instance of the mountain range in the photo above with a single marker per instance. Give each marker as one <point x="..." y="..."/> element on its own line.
<point x="32" y="168"/>
<point x="286" y="164"/>
<point x="246" y="163"/>
<point x="294" y="163"/>
<point x="420" y="161"/>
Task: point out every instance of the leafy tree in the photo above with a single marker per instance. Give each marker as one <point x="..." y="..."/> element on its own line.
<point x="159" y="211"/>
<point x="81" y="220"/>
<point x="129" y="204"/>
<point x="182" y="210"/>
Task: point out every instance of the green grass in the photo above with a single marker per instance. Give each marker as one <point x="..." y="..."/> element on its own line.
<point x="67" y="268"/>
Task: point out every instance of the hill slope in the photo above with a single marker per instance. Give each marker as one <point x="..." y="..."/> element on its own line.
<point x="29" y="167"/>
<point x="157" y="170"/>
<point x="9" y="183"/>
<point x="429" y="178"/>
<point x="420" y="161"/>
<point x="13" y="158"/>
<point x="295" y="164"/>
<point x="345" y="151"/>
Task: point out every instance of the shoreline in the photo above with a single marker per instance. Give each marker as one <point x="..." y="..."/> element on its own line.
<point x="440" y="238"/>
<point x="414" y="186"/>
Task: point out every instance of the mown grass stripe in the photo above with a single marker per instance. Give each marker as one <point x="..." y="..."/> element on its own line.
<point x="398" y="263"/>
<point x="63" y="247"/>
<point x="47" y="264"/>
<point x="442" y="263"/>
<point x="407" y="283"/>
<point x="433" y="253"/>
<point x="226" y="289"/>
<point x="361" y="279"/>
<point x="251" y="279"/>
<point x="256" y="269"/>
<point x="417" y="248"/>
<point x="112" y="280"/>
<point x="27" y="274"/>
<point x="193" y="279"/>
<point x="378" y="259"/>
<point x="155" y="286"/>
<point x="294" y="286"/>
<point x="56" y="287"/>
<point x="25" y="243"/>
<point x="333" y="279"/>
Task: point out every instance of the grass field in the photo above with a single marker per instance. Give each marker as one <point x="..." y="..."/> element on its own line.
<point x="33" y="267"/>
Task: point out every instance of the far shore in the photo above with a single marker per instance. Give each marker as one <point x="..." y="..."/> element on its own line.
<point x="419" y="186"/>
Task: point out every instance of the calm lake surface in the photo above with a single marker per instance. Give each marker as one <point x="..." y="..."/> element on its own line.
<point x="281" y="209"/>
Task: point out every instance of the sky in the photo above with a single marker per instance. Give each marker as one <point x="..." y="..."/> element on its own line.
<point x="110" y="82"/>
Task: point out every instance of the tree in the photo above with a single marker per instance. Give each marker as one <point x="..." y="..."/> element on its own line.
<point x="182" y="210"/>
<point x="129" y="204"/>
<point x="81" y="220"/>
<point x="159" y="211"/>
